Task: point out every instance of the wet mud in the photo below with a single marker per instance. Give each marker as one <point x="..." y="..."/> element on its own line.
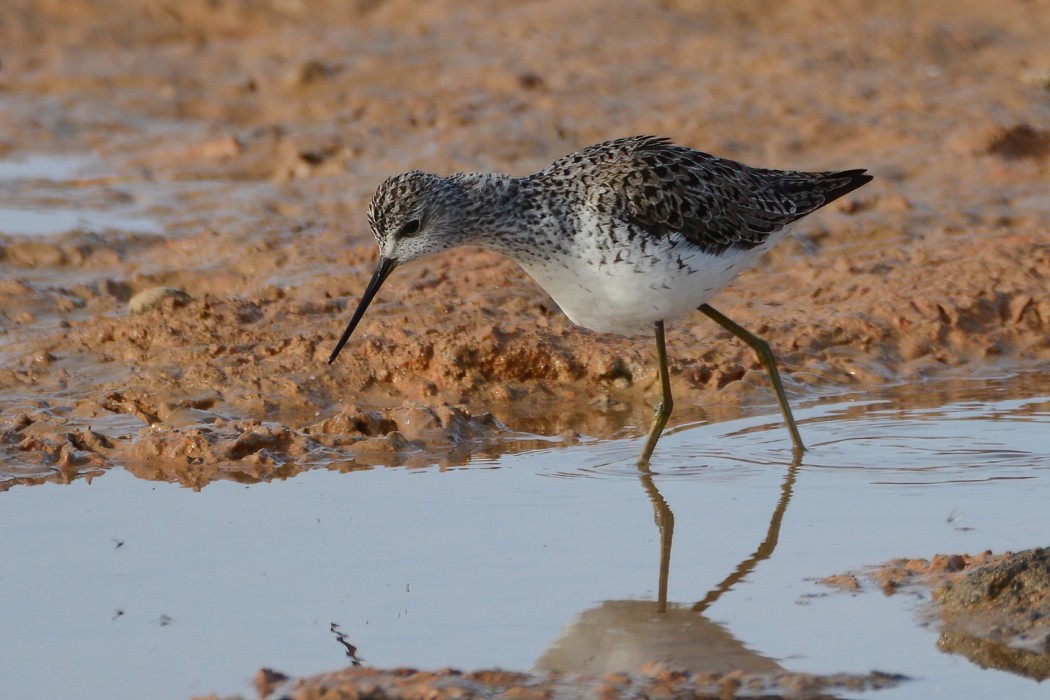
<point x="183" y="190"/>
<point x="653" y="681"/>
<point x="992" y="609"/>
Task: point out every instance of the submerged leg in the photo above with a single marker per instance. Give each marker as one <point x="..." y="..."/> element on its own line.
<point x="663" y="409"/>
<point x="765" y="356"/>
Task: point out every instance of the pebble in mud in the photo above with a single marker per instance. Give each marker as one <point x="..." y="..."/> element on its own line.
<point x="151" y="298"/>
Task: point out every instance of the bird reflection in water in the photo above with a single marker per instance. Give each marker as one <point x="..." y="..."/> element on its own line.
<point x="624" y="635"/>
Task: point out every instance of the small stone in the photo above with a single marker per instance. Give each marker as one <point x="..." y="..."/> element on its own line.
<point x="151" y="298"/>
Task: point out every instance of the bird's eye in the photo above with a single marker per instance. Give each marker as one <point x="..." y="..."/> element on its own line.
<point x="408" y="228"/>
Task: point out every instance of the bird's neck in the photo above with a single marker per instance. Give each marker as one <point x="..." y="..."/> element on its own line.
<point x="496" y="210"/>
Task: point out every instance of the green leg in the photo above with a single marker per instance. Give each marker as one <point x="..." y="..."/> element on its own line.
<point x="663" y="409"/>
<point x="765" y="356"/>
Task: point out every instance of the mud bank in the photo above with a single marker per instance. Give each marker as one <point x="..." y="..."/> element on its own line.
<point x="992" y="609"/>
<point x="655" y="681"/>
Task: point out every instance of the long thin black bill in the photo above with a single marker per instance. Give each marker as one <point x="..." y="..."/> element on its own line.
<point x="383" y="270"/>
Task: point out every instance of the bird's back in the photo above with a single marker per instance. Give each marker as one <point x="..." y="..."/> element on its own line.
<point x="713" y="203"/>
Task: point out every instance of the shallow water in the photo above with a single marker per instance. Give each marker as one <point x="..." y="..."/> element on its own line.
<point x="45" y="194"/>
<point x="31" y="222"/>
<point x="41" y="166"/>
<point x="510" y="562"/>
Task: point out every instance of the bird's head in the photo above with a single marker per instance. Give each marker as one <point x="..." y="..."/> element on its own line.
<point x="415" y="214"/>
<point x="412" y="215"/>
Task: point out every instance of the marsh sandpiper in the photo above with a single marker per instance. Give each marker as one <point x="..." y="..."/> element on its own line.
<point x="624" y="235"/>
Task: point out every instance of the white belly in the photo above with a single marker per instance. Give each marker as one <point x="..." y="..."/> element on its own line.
<point x="665" y="281"/>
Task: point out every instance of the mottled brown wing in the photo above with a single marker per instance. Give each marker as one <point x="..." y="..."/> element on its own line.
<point x="714" y="203"/>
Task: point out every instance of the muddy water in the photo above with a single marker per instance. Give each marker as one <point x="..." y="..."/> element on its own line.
<point x="226" y="152"/>
<point x="548" y="559"/>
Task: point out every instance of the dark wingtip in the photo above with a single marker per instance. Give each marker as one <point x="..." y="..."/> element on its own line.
<point x="845" y="182"/>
